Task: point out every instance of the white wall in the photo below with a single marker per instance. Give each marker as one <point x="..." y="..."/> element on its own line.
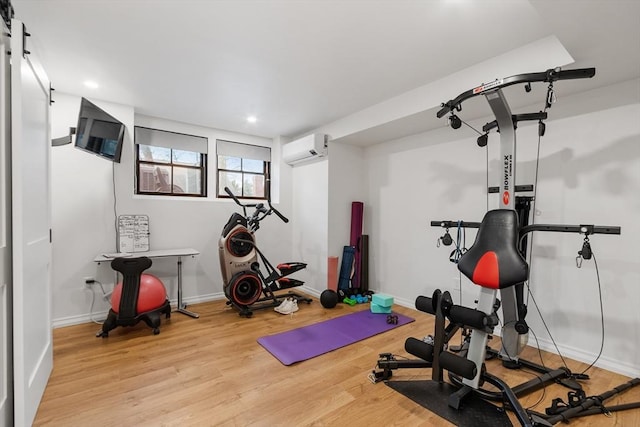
<point x="589" y="173"/>
<point x="412" y="182"/>
<point x="83" y="215"/>
<point x="310" y="222"/>
<point x="82" y="209"/>
<point x="322" y="194"/>
<point x="347" y="183"/>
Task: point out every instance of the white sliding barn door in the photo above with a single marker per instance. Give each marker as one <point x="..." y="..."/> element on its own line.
<point x="6" y="330"/>
<point x="30" y="146"/>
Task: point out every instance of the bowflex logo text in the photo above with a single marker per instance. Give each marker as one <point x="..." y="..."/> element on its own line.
<point x="507" y="170"/>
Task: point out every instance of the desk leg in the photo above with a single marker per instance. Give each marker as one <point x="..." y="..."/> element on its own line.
<point x="181" y="306"/>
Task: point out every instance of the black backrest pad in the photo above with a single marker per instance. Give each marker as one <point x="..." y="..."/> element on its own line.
<point x="494" y="260"/>
<point x="131" y="269"/>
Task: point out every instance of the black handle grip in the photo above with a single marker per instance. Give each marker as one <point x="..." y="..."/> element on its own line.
<point x="233" y="196"/>
<point x="282" y="217"/>
<point x="248" y="205"/>
<point x="268" y="189"/>
<point x="444" y="110"/>
<point x="580" y="73"/>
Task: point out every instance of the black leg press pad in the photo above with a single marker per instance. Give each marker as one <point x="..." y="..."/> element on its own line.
<point x="474" y="412"/>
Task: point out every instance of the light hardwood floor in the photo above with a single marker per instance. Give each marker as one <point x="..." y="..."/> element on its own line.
<point x="211" y="371"/>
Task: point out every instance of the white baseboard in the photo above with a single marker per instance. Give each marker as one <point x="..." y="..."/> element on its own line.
<point x="619" y="367"/>
<point x="405" y="303"/>
<point x="96" y="317"/>
<point x="101" y="315"/>
<point x="310" y="291"/>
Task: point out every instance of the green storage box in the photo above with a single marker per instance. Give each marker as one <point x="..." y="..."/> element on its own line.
<point x="382" y="300"/>
<point x="375" y="308"/>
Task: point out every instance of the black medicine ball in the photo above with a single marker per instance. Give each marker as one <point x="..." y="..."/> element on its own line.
<point x="328" y="298"/>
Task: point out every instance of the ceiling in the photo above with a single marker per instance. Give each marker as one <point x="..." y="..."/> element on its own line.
<point x="298" y="65"/>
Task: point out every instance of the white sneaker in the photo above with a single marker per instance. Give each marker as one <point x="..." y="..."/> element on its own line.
<point x="290" y="308"/>
<point x="284" y="307"/>
<point x="294" y="306"/>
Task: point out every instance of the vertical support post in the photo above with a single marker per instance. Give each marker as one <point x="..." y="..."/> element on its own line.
<point x="511" y="339"/>
<point x="507" y="129"/>
<point x="182" y="306"/>
<point x="478" y="343"/>
<point x="438" y="339"/>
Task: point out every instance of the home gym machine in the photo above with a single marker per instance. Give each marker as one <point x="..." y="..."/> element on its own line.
<point x="245" y="285"/>
<point x="495" y="262"/>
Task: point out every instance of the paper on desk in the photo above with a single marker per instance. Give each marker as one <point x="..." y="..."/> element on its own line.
<point x="118" y="255"/>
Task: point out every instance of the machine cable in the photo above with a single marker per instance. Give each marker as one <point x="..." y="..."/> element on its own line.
<point x="454" y="257"/>
<point x="93" y="300"/>
<point x="595" y="263"/>
<point x="544" y="323"/>
<point x="544" y="385"/>
<point x="535" y="195"/>
<point x="585" y="253"/>
<point x="115" y="200"/>
<point x="460" y="247"/>
<point x="455" y="122"/>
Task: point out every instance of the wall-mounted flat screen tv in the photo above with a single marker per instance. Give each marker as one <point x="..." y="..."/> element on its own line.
<point x="98" y="132"/>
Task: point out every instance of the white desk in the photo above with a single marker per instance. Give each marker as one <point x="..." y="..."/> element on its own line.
<point x="163" y="253"/>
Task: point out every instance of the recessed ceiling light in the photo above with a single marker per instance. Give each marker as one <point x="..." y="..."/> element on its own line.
<point x="252" y="119"/>
<point x="91" y="84"/>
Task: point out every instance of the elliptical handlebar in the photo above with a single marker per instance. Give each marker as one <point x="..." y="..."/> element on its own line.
<point x="233" y="196"/>
<point x="551" y="75"/>
<point x="260" y="209"/>
<point x="271" y="208"/>
<point x="275" y="211"/>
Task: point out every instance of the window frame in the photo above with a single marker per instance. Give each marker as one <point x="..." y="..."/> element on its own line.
<point x="171" y="165"/>
<point x="266" y="174"/>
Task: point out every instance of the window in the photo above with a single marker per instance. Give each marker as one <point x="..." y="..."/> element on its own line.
<point x="170" y="164"/>
<point x="244" y="168"/>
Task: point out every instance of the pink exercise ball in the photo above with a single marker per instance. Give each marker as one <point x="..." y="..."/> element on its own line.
<point x="151" y="295"/>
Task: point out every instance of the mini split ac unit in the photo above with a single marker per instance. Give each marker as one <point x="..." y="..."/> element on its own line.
<point x="304" y="149"/>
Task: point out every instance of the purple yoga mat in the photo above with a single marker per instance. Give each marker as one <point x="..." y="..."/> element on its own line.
<point x="313" y="340"/>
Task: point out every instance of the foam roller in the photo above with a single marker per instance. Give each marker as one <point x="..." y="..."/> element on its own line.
<point x="458" y="365"/>
<point x="425" y="304"/>
<point x="419" y="349"/>
<point x="467" y="316"/>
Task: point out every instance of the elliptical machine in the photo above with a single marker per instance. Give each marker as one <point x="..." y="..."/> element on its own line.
<point x="246" y="287"/>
